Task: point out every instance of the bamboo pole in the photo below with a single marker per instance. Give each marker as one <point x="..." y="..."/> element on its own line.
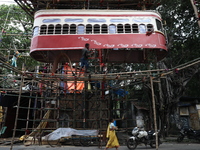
<point x="57" y="101"/>
<point x="12" y="49"/>
<point x="35" y="109"/>
<point x="110" y="76"/>
<point x="29" y="106"/>
<point x="154" y="111"/>
<point x="17" y="111"/>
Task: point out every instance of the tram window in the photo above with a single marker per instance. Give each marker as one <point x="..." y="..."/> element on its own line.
<point x="142" y="20"/>
<point x="35" y="31"/>
<point x="73" y="20"/>
<point x="159" y="25"/>
<point x="112" y="29"/>
<point x="142" y="28"/>
<point x="119" y="20"/>
<point x="43" y="29"/>
<point x="104" y="28"/>
<point x="96" y="20"/>
<point x="120" y="28"/>
<point x="135" y="28"/>
<point x="65" y="29"/>
<point x="80" y="29"/>
<point x="150" y="28"/>
<point x="72" y="29"/>
<point x="96" y="29"/>
<point x="127" y="28"/>
<point x="50" y="29"/>
<point x="88" y="29"/>
<point x="51" y="20"/>
<point x="58" y="29"/>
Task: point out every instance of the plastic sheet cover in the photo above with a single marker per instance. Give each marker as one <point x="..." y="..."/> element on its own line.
<point x="67" y="132"/>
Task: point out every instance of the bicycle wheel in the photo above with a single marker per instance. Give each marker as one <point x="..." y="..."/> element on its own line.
<point x="85" y="141"/>
<point x="53" y="143"/>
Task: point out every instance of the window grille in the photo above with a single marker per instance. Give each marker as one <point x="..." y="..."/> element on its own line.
<point x="58" y="29"/>
<point x="120" y="28"/>
<point x="43" y="29"/>
<point x="72" y="29"/>
<point x="127" y="28"/>
<point x="65" y="29"/>
<point x="50" y="29"/>
<point x="88" y="29"/>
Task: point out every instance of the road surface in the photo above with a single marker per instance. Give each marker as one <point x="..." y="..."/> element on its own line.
<point x="164" y="146"/>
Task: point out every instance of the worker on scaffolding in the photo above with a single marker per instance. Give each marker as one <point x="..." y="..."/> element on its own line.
<point x="85" y="55"/>
<point x="14" y="59"/>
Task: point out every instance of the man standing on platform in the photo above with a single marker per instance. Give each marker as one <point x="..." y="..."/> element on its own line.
<point x="85" y="55"/>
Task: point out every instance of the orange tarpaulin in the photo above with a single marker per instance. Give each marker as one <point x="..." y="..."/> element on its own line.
<point x="72" y="86"/>
<point x="69" y="86"/>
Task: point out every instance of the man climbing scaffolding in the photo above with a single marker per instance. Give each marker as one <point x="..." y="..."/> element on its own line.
<point x="14" y="59"/>
<point x="85" y="55"/>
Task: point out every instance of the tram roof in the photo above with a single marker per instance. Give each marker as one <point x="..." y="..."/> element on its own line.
<point x="31" y="6"/>
<point x="97" y="12"/>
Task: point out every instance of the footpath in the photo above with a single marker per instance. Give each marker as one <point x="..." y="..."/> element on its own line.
<point x="167" y="143"/>
<point x="7" y="142"/>
<point x="16" y="141"/>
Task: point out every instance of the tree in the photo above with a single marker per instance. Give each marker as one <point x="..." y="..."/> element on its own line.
<point x="16" y="27"/>
<point x="183" y="36"/>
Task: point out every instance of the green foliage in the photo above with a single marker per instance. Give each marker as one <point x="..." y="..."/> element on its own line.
<point x="183" y="34"/>
<point x="182" y="29"/>
<point x="193" y="87"/>
<point x="16" y="27"/>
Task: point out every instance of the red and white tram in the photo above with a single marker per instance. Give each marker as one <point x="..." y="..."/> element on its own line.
<point x="122" y="36"/>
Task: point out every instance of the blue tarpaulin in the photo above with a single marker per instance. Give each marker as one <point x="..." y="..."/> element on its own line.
<point x="120" y="92"/>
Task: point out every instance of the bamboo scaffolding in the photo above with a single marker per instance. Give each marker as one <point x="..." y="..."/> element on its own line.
<point x="82" y="109"/>
<point x="42" y="77"/>
<point x="154" y="111"/>
<point x="17" y="112"/>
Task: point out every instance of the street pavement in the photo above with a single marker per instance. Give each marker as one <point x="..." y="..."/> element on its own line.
<point x="168" y="144"/>
<point x="164" y="146"/>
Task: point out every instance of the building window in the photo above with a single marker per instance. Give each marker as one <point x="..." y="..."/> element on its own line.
<point x="81" y="29"/>
<point x="88" y="29"/>
<point x="58" y="29"/>
<point x="158" y="24"/>
<point x="127" y="28"/>
<point x="120" y="28"/>
<point x="142" y="28"/>
<point x="43" y="29"/>
<point x="73" y="20"/>
<point x="35" y="31"/>
<point x="65" y="29"/>
<point x="104" y="28"/>
<point x="93" y="20"/>
<point x="135" y="28"/>
<point x="50" y="29"/>
<point x="96" y="29"/>
<point x="51" y="20"/>
<point x="150" y="28"/>
<point x="119" y="20"/>
<point x="72" y="29"/>
<point x="141" y="20"/>
<point x="112" y="29"/>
